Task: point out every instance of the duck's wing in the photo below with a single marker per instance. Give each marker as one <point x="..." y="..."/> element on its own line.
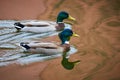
<point x="43" y="45"/>
<point x="38" y="24"/>
<point x="39" y="29"/>
<point x="42" y="48"/>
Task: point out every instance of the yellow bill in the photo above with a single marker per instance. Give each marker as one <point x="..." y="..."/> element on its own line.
<point x="76" y="35"/>
<point x="71" y="18"/>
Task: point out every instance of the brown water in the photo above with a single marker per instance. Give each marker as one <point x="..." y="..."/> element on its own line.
<point x="97" y="23"/>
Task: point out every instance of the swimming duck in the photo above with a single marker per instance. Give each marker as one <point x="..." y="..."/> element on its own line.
<point x="44" y="26"/>
<point x="66" y="64"/>
<point x="50" y="48"/>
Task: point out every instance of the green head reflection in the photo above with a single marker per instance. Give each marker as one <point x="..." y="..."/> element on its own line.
<point x="66" y="64"/>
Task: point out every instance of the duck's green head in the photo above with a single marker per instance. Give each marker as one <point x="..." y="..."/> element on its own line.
<point x="65" y="36"/>
<point x="64" y="15"/>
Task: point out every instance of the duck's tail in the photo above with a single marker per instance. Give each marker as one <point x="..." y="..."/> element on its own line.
<point x="18" y="26"/>
<point x="24" y="45"/>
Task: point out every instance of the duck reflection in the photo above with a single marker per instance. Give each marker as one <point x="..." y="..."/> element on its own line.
<point x="66" y="63"/>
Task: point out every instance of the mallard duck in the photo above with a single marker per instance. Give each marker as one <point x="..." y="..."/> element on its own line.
<point x="66" y="64"/>
<point x="44" y="26"/>
<point x="50" y="48"/>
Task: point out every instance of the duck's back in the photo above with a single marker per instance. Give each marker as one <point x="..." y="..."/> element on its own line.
<point x="39" y="29"/>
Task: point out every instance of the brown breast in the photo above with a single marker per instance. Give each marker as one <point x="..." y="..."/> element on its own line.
<point x="60" y="26"/>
